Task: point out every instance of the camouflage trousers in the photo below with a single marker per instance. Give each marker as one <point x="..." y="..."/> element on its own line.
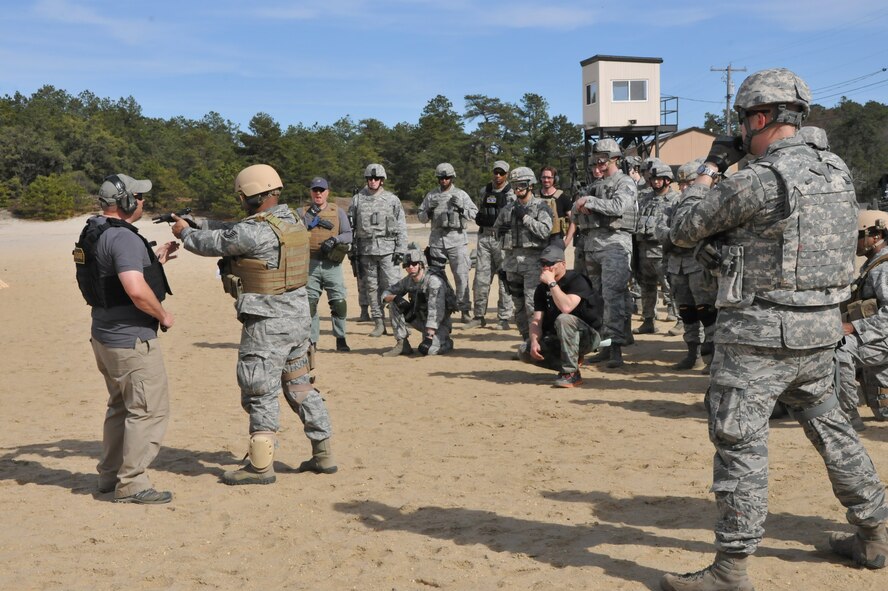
<point x="441" y="342"/>
<point x="649" y="275"/>
<point x="523" y="284"/>
<point x="745" y="384"/>
<point x="573" y="338"/>
<point x="326" y="276"/>
<point x="489" y="260"/>
<point x="609" y="271"/>
<point x="458" y="257"/>
<point x="269" y="348"/>
<point x="378" y="271"/>
<point x="689" y="291"/>
<point x="871" y="358"/>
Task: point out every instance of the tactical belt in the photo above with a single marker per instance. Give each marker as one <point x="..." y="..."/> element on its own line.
<point x="803" y="416"/>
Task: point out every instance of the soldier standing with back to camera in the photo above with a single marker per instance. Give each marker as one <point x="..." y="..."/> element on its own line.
<point x="524" y="225"/>
<point x="330" y="239"/>
<point x="450" y="209"/>
<point x="607" y="220"/>
<point x="787" y="227"/>
<point x="123" y="281"/>
<point x="265" y="268"/>
<point x="489" y="251"/>
<point x="380" y="235"/>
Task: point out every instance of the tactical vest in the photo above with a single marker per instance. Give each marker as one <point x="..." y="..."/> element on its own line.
<point x="521" y="237"/>
<point x="107" y="291"/>
<point x="857" y="307"/>
<point x="373" y="221"/>
<point x="491" y="204"/>
<point x="559" y="225"/>
<point x="447" y="217"/>
<point x="245" y="275"/>
<point x="317" y="235"/>
<point x="807" y="257"/>
<point x="650" y="207"/>
<point x="605" y="190"/>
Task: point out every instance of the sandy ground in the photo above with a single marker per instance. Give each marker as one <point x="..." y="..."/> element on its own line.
<point x="462" y="472"/>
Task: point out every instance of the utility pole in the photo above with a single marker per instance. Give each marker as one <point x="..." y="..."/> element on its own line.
<point x="729" y="93"/>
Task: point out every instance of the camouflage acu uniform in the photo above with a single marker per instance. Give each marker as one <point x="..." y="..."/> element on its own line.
<point x="607" y="241"/>
<point x="490" y="253"/>
<point x="649" y="272"/>
<point x="692" y="286"/>
<point x="433" y="300"/>
<point x="867" y="348"/>
<point x="523" y="238"/>
<point x="275" y="328"/>
<point x="380" y="231"/>
<point x="448" y="238"/>
<point x="787" y="260"/>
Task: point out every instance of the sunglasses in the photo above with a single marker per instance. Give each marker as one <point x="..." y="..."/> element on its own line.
<point x="499" y="172"/>
<point x="440" y="178"/>
<point x="411" y="264"/>
<point x="373" y="178"/>
<point x="548" y="263"/>
<point x="317" y="190"/>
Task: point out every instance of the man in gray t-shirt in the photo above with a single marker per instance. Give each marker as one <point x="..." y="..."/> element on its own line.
<point x="121" y="278"/>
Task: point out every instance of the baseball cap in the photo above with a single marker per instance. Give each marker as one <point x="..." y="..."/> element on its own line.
<point x="502" y="165"/>
<point x="552" y="254"/>
<point x="108" y="191"/>
<point x="319" y="182"/>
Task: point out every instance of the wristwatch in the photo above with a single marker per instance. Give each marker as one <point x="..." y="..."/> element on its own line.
<point x="707" y="171"/>
<point x="552" y="284"/>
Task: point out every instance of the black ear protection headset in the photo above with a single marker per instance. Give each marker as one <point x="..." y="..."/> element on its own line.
<point x="125" y="199"/>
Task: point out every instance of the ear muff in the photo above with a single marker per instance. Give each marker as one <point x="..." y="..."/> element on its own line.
<point x="125" y="200"/>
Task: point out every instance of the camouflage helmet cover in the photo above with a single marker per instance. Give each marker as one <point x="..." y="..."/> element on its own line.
<point x="776" y="86"/>
<point x="633" y="161"/>
<point x="607" y="146"/>
<point x="257" y="179"/>
<point x="413" y="255"/>
<point x="872" y="218"/>
<point x="687" y="172"/>
<point x="660" y="169"/>
<point x="522" y="174"/>
<point x="814" y="137"/>
<point x="445" y="169"/>
<point x="377" y="170"/>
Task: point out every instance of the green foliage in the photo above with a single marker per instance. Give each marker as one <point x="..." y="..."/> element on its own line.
<point x="54" y="197"/>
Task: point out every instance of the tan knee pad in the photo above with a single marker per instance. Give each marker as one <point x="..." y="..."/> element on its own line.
<point x="262" y="450"/>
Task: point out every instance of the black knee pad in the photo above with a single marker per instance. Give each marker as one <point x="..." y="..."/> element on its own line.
<point x="337" y="308"/>
<point x="688" y="314"/>
<point x="706" y="314"/>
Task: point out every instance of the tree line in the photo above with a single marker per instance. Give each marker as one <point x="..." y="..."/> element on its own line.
<point x="55" y="149"/>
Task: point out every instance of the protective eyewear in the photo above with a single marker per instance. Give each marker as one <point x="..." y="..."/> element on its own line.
<point x="547" y="177"/>
<point x="317" y="190"/>
<point x="499" y="172"/>
<point x="444" y="177"/>
<point x="409" y="264"/>
<point x="600" y="161"/>
<point x="548" y="263"/>
<point x="373" y="178"/>
<point x="521" y="186"/>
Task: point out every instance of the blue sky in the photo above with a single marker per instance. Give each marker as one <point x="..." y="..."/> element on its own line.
<point x="308" y="61"/>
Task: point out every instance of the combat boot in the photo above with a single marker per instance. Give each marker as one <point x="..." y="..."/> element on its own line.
<point x="476" y="322"/>
<point x="402" y="347"/>
<point x="647" y="327"/>
<point x="504" y="325"/>
<point x="616" y="357"/>
<point x="677" y="329"/>
<point x="727" y="573"/>
<point x="378" y="328"/>
<point x="465" y="318"/>
<point x="342" y="345"/>
<point x="259" y="468"/>
<point x="321" y="461"/>
<point x="691" y="360"/>
<point x="867" y="547"/>
<point x="365" y="315"/>
<point x="603" y="354"/>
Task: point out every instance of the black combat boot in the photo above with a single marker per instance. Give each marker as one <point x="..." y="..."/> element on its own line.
<point x="691" y="360"/>
<point x="647" y="327"/>
<point x="616" y="357"/>
<point x="604" y="354"/>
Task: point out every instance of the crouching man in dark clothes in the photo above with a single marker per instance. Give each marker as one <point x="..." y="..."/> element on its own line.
<point x="565" y="321"/>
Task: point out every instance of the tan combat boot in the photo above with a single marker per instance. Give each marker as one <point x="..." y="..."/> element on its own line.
<point x="260" y="467"/>
<point x="727" y="573"/>
<point x="867" y="547"/>
<point x="321" y="461"/>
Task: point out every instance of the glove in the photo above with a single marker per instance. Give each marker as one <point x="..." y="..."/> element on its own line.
<point x="397" y="258"/>
<point x="725" y="151"/>
<point x="425" y="345"/>
<point x="404" y="306"/>
<point x="328" y="245"/>
<point x="454" y="201"/>
<point x="519" y="209"/>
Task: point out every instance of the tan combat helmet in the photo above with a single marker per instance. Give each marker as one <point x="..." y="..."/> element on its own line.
<point x="872" y="219"/>
<point x="445" y="169"/>
<point x="687" y="172"/>
<point x="374" y="170"/>
<point x="257" y="179"/>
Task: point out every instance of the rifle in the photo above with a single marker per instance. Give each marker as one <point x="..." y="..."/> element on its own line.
<point x="168" y="218"/>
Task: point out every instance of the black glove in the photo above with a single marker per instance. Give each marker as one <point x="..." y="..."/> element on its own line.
<point x="404" y="306"/>
<point x="328" y="245"/>
<point x="725" y="151"/>
<point x="425" y="345"/>
<point x="519" y="210"/>
<point x="397" y="257"/>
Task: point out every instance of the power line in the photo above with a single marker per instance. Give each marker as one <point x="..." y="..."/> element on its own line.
<point x="684" y="98"/>
<point x="850" y="90"/>
<point x="852" y="81"/>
